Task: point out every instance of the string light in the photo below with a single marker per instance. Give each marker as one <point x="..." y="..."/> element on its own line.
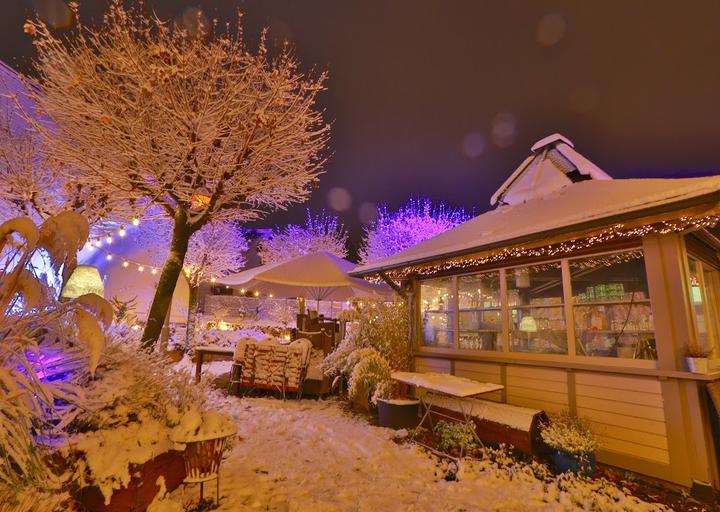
<point x="242" y="290"/>
<point x="257" y="294"/>
<point x="108" y="257"/>
<point x="616" y="232"/>
<point x="153" y="271"/>
<point x="126" y="264"/>
<point x="122" y="232"/>
<point x="109" y="239"/>
<point x="135" y="221"/>
<point x="212" y="280"/>
<point x="141" y="268"/>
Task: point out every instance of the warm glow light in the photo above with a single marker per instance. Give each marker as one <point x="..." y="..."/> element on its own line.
<point x="242" y="290"/>
<point x="223" y="326"/>
<point x="212" y="280"/>
<point x="122" y="232"/>
<point x="271" y="295"/>
<point x="108" y="257"/>
<point x="98" y="243"/>
<point x="135" y="221"/>
<point x="109" y="239"/>
<point x="141" y="268"/>
<point x="135" y="327"/>
<point x="153" y="271"/>
<point x="257" y="294"/>
<point x="125" y="264"/>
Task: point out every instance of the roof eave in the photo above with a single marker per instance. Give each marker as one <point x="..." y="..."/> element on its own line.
<point x="612" y="219"/>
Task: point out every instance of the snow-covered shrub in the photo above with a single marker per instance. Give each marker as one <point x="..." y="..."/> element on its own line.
<point x="569" y="434"/>
<point x="456" y="436"/>
<point x="378" y="347"/>
<point x="131" y="409"/>
<point x="49" y="350"/>
<point x="369" y="368"/>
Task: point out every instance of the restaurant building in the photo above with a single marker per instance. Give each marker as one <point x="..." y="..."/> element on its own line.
<point x="581" y="292"/>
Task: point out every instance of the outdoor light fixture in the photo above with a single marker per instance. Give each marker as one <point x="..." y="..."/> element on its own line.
<point x="126" y="264"/>
<point x="141" y="268"/>
<point x="135" y="221"/>
<point x="122" y="232"/>
<point x="83" y="280"/>
<point x="257" y="294"/>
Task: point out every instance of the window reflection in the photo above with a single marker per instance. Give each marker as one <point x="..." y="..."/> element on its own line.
<point x="480" y="312"/>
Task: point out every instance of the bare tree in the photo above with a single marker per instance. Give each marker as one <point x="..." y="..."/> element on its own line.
<point x="187" y="121"/>
<point x="217" y="250"/>
<point x="321" y="232"/>
<point x="395" y="231"/>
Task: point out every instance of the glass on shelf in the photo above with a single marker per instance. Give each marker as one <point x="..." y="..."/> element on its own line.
<point x="537" y="314"/>
<point x="611" y="306"/>
<point x="438" y="312"/>
<point x="480" y="312"/>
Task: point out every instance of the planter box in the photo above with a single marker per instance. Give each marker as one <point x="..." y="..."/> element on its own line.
<point x="138" y="495"/>
<point x="698" y="364"/>
<point x="398" y="414"/>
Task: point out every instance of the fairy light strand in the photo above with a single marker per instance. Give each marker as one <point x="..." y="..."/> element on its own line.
<point x="616" y="232"/>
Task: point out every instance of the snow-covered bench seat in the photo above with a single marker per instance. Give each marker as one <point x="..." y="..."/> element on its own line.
<point x="498" y="422"/>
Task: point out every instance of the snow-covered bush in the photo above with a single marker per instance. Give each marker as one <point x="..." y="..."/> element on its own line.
<point x="49" y="350"/>
<point x="456" y="437"/>
<point x="569" y="434"/>
<point x="130" y="411"/>
<point x="378" y="347"/>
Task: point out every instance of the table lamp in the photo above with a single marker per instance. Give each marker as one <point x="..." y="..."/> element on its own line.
<point x="528" y="325"/>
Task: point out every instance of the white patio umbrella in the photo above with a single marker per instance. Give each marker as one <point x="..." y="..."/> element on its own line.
<point x="318" y="276"/>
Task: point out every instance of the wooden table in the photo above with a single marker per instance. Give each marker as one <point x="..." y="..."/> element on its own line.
<point x="444" y="385"/>
<point x="213" y="350"/>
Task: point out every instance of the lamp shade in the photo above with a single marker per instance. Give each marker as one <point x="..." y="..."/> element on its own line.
<point x="84" y="279"/>
<point x="528" y="324"/>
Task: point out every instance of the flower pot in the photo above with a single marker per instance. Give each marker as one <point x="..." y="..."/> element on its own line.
<point x="569" y="462"/>
<point x="397" y="414"/>
<point x="698" y="364"/>
<point x="142" y="487"/>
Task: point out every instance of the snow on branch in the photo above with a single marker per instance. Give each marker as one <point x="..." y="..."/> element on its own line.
<point x="395" y="231"/>
<point x="321" y="232"/>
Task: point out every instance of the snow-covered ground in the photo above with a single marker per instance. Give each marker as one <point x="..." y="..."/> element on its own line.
<point x="316" y="456"/>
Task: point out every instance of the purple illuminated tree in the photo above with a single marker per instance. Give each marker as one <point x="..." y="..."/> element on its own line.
<point x="183" y="120"/>
<point x="395" y="231"/>
<point x="321" y="232"/>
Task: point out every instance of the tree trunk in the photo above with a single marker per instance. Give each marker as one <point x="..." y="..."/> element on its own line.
<point x="192" y="314"/>
<point x="168" y="279"/>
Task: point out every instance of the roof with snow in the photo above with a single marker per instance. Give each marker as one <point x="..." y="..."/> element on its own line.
<point x="553" y="207"/>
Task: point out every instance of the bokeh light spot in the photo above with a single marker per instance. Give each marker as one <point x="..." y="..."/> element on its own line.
<point x="339" y="199"/>
<point x="55" y="13"/>
<point x="368" y="213"/>
<point x="503" y="129"/>
<point x="473" y="144"/>
<point x="550" y="29"/>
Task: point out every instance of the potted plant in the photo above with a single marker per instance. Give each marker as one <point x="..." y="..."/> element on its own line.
<point x="573" y="443"/>
<point x="393" y="411"/>
<point x="697" y="358"/>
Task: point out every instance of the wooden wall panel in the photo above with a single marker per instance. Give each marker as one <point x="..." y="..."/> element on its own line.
<point x="538" y="388"/>
<point x="431" y="364"/>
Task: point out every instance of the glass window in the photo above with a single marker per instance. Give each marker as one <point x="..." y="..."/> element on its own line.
<point x="537" y="314"/>
<point x="611" y="306"/>
<point x="437" y="303"/>
<point x="703" y="298"/>
<point x="480" y="312"/>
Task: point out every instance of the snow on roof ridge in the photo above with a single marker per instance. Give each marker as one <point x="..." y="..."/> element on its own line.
<point x="549" y="140"/>
<point x="546" y="152"/>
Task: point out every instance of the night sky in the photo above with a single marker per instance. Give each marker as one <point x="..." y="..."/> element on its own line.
<point x="445" y="98"/>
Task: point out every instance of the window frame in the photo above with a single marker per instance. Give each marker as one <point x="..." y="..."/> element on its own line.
<point x="568" y="310"/>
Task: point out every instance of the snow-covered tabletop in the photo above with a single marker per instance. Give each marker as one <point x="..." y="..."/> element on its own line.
<point x="216" y="349"/>
<point x="445" y="383"/>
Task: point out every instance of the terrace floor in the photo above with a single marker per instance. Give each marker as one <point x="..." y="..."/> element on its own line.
<point x="316" y="455"/>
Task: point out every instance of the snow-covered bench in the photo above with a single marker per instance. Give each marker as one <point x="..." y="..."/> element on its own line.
<point x="500" y="423"/>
